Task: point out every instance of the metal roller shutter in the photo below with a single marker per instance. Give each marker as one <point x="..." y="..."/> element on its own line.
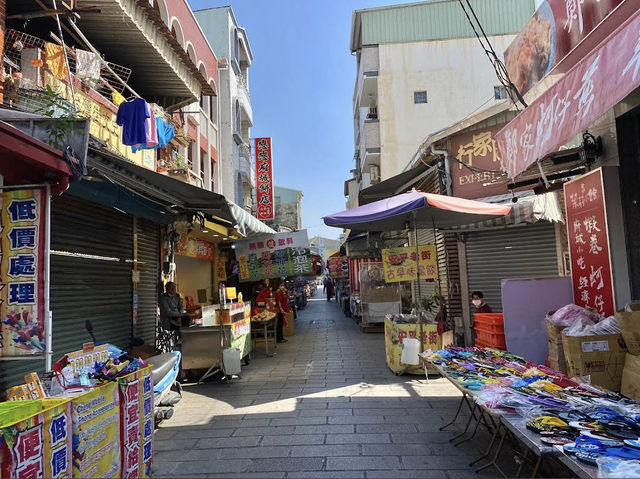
<point x="523" y="252"/>
<point x="91" y="263"/>
<point x="148" y="257"/>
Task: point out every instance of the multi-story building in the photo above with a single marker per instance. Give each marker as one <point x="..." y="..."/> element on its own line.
<point x="325" y="246"/>
<point x="287" y="211"/>
<point x="231" y="45"/>
<point x="420" y="68"/>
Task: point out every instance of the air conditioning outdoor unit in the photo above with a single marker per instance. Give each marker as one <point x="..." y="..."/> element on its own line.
<point x="375" y="174"/>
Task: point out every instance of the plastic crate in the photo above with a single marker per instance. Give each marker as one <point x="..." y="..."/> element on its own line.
<point x="490" y="339"/>
<point x="490" y="319"/>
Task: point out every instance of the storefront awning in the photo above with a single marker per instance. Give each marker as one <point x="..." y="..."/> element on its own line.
<point x="26" y="160"/>
<point x="418" y="209"/>
<point x="394" y="185"/>
<point x="592" y="87"/>
<point x="246" y="223"/>
<point x="175" y="196"/>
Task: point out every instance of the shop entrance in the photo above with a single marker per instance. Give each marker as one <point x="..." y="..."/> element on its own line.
<point x="628" y="128"/>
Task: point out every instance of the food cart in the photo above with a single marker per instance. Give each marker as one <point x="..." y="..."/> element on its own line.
<point x="223" y="326"/>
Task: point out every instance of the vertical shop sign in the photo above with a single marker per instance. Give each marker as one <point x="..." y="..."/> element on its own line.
<point x="338" y="267"/>
<point x="264" y="179"/>
<point x="22" y="226"/>
<point x="589" y="243"/>
<point x="221" y="267"/>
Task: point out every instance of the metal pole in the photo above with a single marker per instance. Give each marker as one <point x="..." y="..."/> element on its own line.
<point x="47" y="280"/>
<point x="419" y="290"/>
<point x="435" y="241"/>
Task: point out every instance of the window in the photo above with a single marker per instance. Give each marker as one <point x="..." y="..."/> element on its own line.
<point x="419" y="97"/>
<point x="202" y="160"/>
<point x="202" y="101"/>
<point x="238" y="119"/>
<point x="500" y="92"/>
<point x="213" y="109"/>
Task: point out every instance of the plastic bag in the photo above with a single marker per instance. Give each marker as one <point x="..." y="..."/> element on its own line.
<point x="611" y="467"/>
<point x="586" y="327"/>
<point x="569" y="314"/>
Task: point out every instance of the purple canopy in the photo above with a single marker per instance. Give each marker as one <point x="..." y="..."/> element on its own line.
<point x="421" y="210"/>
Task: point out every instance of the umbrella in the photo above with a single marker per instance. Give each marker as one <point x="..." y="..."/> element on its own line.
<point x="421" y="210"/>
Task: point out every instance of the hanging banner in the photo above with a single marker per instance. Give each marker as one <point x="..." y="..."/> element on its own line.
<point x="588" y="236"/>
<point x="264" y="179"/>
<point x="553" y="31"/>
<point x="356" y="266"/>
<point x="22" y="243"/>
<point x="274" y="256"/>
<point x="136" y="423"/>
<point x="96" y="433"/>
<point x="39" y="445"/>
<point x="400" y="263"/>
<point x="338" y="267"/>
<point x="221" y="267"/>
<point x="571" y="105"/>
<point x="477" y="172"/>
<point x="196" y="248"/>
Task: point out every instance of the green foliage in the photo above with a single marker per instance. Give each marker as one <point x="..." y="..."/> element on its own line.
<point x="427" y="304"/>
<point x="63" y="118"/>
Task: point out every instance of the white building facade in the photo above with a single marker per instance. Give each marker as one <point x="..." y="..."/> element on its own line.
<point x="235" y="171"/>
<point x="420" y="68"/>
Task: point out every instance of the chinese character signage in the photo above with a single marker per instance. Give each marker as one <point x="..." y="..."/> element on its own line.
<point x="556" y="28"/>
<point x="476" y="173"/>
<point x="264" y="179"/>
<point x="589" y="243"/>
<point x="221" y="267"/>
<point x="338" y="267"/>
<point x="274" y="256"/>
<point x="22" y="229"/>
<point x="96" y="433"/>
<point x="196" y="248"/>
<point x="571" y="105"/>
<point x="40" y="445"/>
<point x="136" y="424"/>
<point x="394" y="336"/>
<point x="400" y="263"/>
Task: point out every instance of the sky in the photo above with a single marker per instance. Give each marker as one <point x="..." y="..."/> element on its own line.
<point x="301" y="83"/>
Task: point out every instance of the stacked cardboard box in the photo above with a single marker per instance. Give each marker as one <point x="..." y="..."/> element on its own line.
<point x="629" y="322"/>
<point x="557" y="360"/>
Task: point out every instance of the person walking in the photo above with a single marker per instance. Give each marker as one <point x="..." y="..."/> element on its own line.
<point x="329" y="288"/>
<point x="282" y="302"/>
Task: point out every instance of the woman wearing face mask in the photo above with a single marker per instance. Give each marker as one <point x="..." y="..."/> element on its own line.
<point x="477" y="298"/>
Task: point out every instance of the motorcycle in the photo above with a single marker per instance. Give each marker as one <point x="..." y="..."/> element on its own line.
<point x="167" y="391"/>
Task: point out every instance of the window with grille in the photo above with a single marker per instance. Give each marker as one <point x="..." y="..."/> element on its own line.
<point x="500" y="92"/>
<point x="419" y="97"/>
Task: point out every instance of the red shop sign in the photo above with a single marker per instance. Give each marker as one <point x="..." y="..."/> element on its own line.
<point x="589" y="242"/>
<point x="264" y="179"/>
<point x="583" y="95"/>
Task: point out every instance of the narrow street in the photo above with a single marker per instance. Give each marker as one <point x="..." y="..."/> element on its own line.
<point x="325" y="406"/>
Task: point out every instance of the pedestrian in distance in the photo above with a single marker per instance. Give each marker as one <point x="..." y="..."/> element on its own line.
<point x="172" y="314"/>
<point x="282" y="303"/>
<point x="330" y="289"/>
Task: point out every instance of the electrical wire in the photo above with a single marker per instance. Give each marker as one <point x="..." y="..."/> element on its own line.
<point x="498" y="65"/>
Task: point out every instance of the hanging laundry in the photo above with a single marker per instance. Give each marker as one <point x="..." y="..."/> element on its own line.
<point x="87" y="65"/>
<point x="152" y="129"/>
<point x="55" y="60"/>
<point x="117" y="98"/>
<point x="132" y="117"/>
<point x="165" y="135"/>
<point x="30" y="60"/>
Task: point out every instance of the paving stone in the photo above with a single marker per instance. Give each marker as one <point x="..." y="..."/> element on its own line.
<point x="404" y="474"/>
<point x="421" y="438"/>
<point x="205" y="467"/>
<point x="327" y="429"/>
<point x="326" y="412"/>
<point x="292" y="440"/>
<point x="299" y="421"/>
<point x="325" y="451"/>
<point x="396" y="449"/>
<point x="385" y="428"/>
<point x="287" y="464"/>
<point x="362" y="463"/>
<point x="263" y="431"/>
<point x="211" y="443"/>
<point x="326" y="475"/>
<point x="358" y="439"/>
<point x="438" y="462"/>
<point x="356" y="420"/>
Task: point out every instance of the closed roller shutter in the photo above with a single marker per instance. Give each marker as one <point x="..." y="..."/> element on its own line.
<point x="523" y="252"/>
<point x="91" y="263"/>
<point x="148" y="257"/>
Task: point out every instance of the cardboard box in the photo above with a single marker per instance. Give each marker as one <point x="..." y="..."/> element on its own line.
<point x="380" y="295"/>
<point x="631" y="377"/>
<point x="600" y="357"/>
<point x="557" y="360"/>
<point x="629" y="323"/>
<point x="289" y="326"/>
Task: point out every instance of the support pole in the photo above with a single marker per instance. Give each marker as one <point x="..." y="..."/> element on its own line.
<point x="48" y="318"/>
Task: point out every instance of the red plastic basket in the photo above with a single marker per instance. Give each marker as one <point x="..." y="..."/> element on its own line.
<point x="490" y="339"/>
<point x="493" y="319"/>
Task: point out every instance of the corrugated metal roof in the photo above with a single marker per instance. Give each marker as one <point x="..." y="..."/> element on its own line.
<point x="439" y="20"/>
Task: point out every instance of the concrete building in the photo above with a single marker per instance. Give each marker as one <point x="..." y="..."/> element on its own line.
<point x="231" y="46"/>
<point x="288" y="210"/>
<point x="325" y="246"/>
<point x="420" y="68"/>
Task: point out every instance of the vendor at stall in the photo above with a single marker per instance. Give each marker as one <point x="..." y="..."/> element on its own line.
<point x="477" y="298"/>
<point x="172" y="314"/>
<point x="264" y="294"/>
<point x="282" y="302"/>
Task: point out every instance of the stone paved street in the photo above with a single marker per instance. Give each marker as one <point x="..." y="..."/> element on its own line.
<point x="325" y="406"/>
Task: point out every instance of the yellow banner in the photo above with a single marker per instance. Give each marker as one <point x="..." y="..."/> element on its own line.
<point x="400" y="263"/>
<point x="395" y="334"/>
<point x="96" y="433"/>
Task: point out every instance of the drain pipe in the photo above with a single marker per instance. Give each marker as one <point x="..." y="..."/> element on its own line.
<point x="447" y="168"/>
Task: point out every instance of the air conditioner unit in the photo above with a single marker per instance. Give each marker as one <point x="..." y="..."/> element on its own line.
<point x="375" y="174"/>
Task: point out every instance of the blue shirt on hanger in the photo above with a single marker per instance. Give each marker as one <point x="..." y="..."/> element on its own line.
<point x="165" y="135"/>
<point x="131" y="117"/>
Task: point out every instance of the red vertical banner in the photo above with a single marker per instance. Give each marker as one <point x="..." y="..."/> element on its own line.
<point x="589" y="243"/>
<point x="264" y="179"/>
